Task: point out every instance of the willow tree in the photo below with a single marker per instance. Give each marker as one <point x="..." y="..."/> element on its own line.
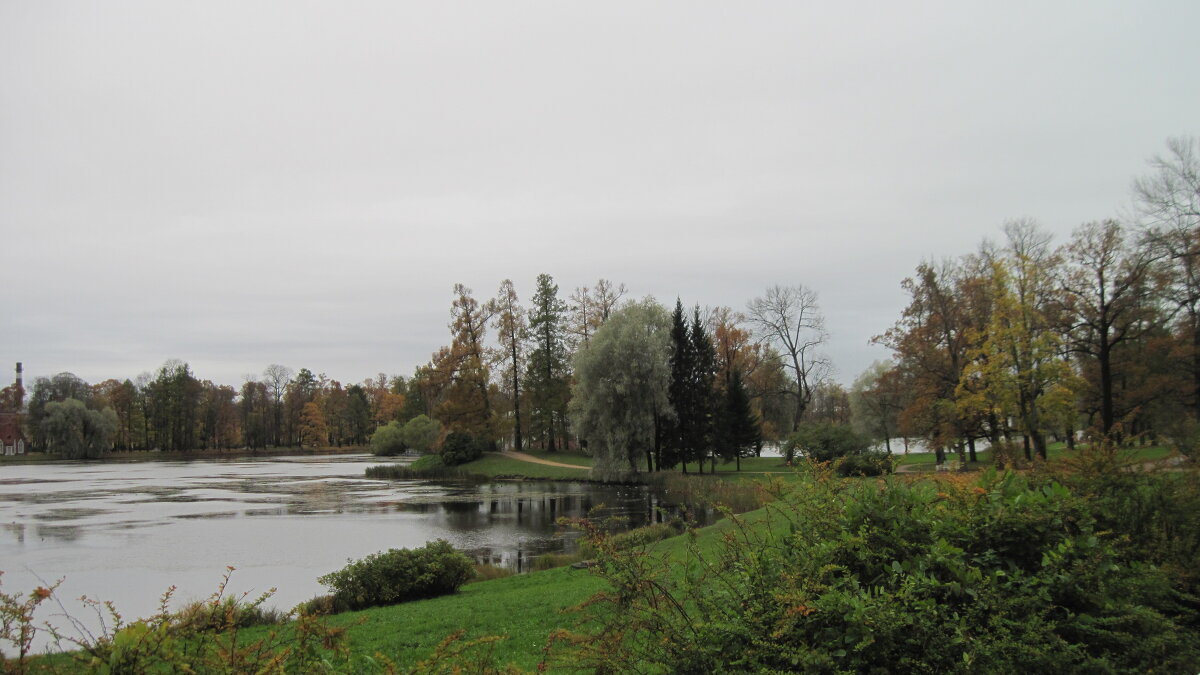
<point x="620" y="390"/>
<point x="1169" y="202"/>
<point x="75" y="432"/>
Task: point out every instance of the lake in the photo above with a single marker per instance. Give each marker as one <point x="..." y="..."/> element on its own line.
<point x="126" y="531"/>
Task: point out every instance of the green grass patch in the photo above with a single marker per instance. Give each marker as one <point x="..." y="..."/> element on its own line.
<point x="523" y="609"/>
<point x="562" y="457"/>
<point x="494" y="465"/>
<point x="1054" y="451"/>
<point x="753" y="465"/>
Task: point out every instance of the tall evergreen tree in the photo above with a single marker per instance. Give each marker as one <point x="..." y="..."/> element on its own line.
<point x="547" y="387"/>
<point x="704" y="401"/>
<point x="675" y="448"/>
<point x="738" y="433"/>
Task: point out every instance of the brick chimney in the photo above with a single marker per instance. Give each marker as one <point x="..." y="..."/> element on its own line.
<point x="18" y="373"/>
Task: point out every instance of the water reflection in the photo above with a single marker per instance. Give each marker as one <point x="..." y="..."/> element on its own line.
<point x="126" y="531"/>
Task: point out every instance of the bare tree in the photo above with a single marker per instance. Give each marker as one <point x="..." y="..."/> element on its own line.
<point x="606" y="297"/>
<point x="1108" y="297"/>
<point x="788" y="317"/>
<point x="1168" y="199"/>
<point x="590" y="308"/>
<point x="276" y="377"/>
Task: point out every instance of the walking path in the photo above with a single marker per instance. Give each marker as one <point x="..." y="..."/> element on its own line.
<point x="530" y="458"/>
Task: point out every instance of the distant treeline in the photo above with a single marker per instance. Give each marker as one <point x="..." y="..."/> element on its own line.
<point x="1017" y="343"/>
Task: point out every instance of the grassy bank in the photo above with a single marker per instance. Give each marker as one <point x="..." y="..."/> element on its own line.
<point x="1055" y="452"/>
<point x="492" y="466"/>
<point x="814" y="558"/>
<point x="523" y="610"/>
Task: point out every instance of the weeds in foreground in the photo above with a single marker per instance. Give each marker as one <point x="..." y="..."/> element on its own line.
<point x="17" y="625"/>
<point x="205" y="637"/>
<point x="487" y="572"/>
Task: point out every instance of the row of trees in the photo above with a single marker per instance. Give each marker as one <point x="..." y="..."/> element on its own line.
<point x="173" y="410"/>
<point x="1020" y="338"/>
<point x="1100" y="334"/>
<point x="526" y="389"/>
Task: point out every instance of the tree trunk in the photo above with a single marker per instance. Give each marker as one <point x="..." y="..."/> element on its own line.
<point x="1195" y="321"/>
<point x="1107" y="417"/>
<point x="971" y="448"/>
<point x="516" y="399"/>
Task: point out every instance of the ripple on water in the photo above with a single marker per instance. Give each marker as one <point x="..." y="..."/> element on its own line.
<point x="76" y="513"/>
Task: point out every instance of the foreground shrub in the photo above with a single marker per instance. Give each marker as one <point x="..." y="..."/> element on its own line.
<point x="205" y="637"/>
<point x="206" y="615"/>
<point x="1008" y="575"/>
<point x="397" y="575"/>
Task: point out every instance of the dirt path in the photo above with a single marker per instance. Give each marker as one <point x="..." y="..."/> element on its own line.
<point x="530" y="458"/>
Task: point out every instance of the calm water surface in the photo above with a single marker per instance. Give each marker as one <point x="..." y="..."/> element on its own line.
<point x="126" y="531"/>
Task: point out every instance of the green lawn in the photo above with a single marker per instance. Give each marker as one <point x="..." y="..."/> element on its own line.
<point x="576" y="458"/>
<point x="1055" y="451"/>
<point x="523" y="609"/>
<point x="497" y="466"/>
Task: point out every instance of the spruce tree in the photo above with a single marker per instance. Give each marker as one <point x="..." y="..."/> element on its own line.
<point x="675" y="441"/>
<point x="546" y="385"/>
<point x="704" y="403"/>
<point x="738" y="432"/>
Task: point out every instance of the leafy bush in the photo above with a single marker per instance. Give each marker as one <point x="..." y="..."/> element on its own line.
<point x="420" y="433"/>
<point x="1011" y="574"/>
<point x="460" y="448"/>
<point x="397" y="575"/>
<point x="866" y="464"/>
<point x="388" y="440"/>
<point x="824" y="442"/>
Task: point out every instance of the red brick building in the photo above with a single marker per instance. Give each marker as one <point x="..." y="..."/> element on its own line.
<point x="12" y="417"/>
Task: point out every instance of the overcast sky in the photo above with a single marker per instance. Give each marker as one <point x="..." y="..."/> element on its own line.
<point x="242" y="183"/>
